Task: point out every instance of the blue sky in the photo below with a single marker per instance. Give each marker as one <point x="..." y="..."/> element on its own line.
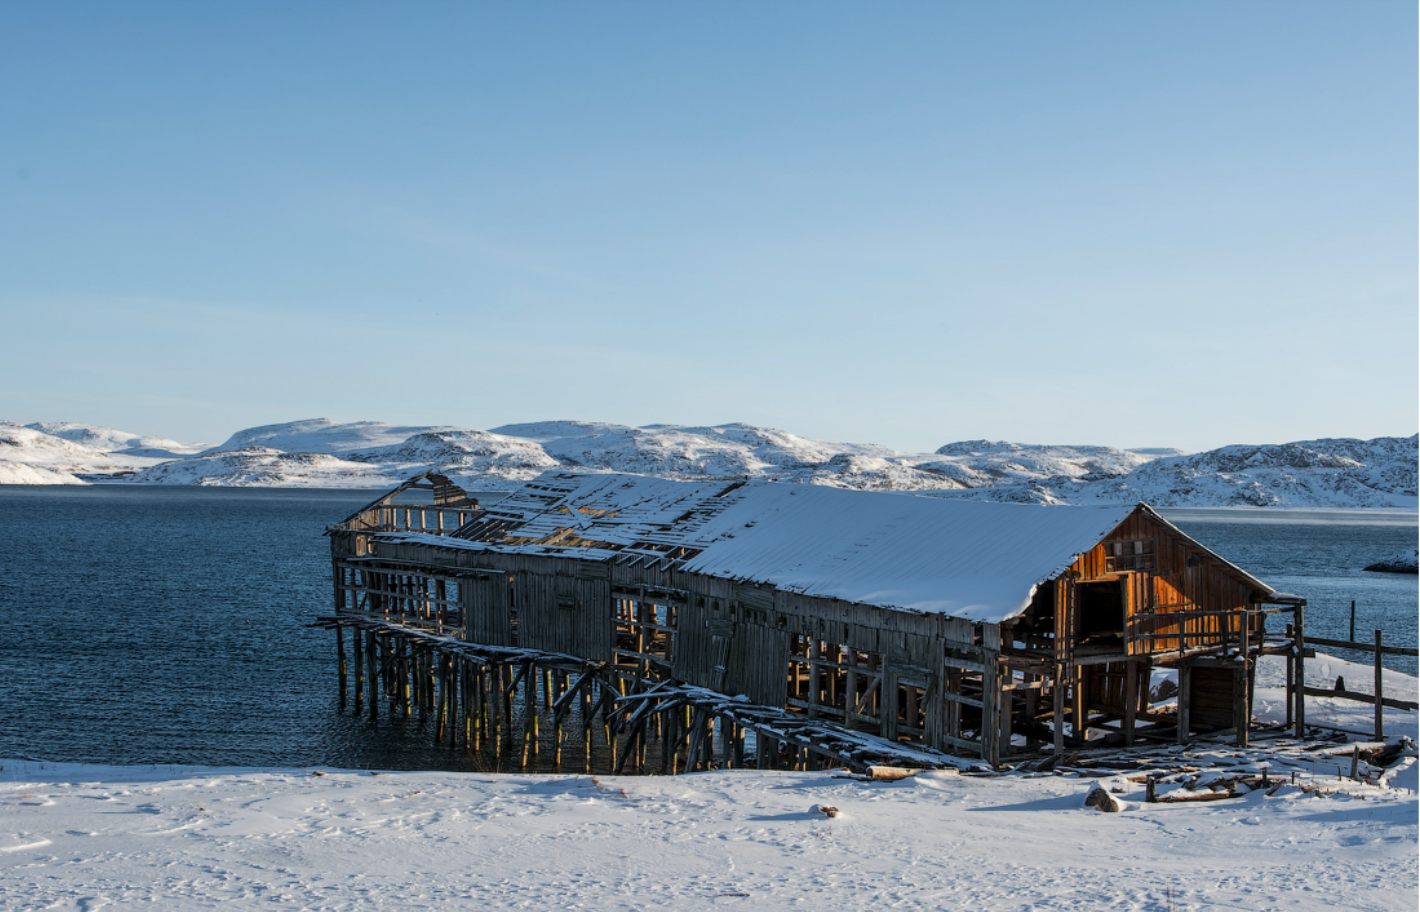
<point x="1162" y="224"/>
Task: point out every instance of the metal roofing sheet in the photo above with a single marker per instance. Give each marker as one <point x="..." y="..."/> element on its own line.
<point x="964" y="559"/>
<point x="979" y="561"/>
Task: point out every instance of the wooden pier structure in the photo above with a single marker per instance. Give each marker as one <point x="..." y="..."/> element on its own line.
<point x="680" y="626"/>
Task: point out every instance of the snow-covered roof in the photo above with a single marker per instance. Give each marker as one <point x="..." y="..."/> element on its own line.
<point x="965" y="559"/>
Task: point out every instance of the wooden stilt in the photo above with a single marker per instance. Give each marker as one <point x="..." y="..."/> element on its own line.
<point x="372" y="671"/>
<point x="441" y="712"/>
<point x="357" y="641"/>
<point x="1185" y="702"/>
<point x="340" y="662"/>
<point x="1380" y="693"/>
<point x="1079" y="706"/>
<point x="1131" y="700"/>
<point x="1059" y="695"/>
<point x="1299" y="644"/>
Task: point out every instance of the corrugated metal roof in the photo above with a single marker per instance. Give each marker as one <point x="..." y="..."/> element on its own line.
<point x="978" y="561"/>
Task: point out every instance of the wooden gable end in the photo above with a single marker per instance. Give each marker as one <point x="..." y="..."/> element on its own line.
<point x="1173" y="594"/>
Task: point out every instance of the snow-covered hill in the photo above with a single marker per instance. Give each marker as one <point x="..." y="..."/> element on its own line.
<point x="322" y="453"/>
<point x="1329" y="473"/>
<point x="115" y="442"/>
<point x="321" y="435"/>
<point x="30" y="456"/>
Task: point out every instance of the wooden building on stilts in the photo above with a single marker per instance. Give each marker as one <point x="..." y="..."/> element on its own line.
<point x="839" y="627"/>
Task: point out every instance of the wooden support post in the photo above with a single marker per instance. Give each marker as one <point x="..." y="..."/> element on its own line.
<point x="627" y="750"/>
<point x="509" y="685"/>
<point x="1242" y="706"/>
<point x="587" y="727"/>
<point x="373" y="671"/>
<point x="340" y="661"/>
<point x="480" y="707"/>
<point x="1004" y="706"/>
<point x="1299" y="644"/>
<point x="641" y="746"/>
<point x="1185" y="701"/>
<point x="1032" y="710"/>
<point x="357" y="640"/>
<point x="402" y="695"/>
<point x="422" y="677"/>
<point x="1242" y="721"/>
<point x="1059" y="694"/>
<point x="469" y="710"/>
<point x="1131" y="700"/>
<point x="697" y="734"/>
<point x="496" y="704"/>
<point x="454" y="702"/>
<point x="1291" y="672"/>
<point x="850" y="700"/>
<point x="534" y="719"/>
<point x="1380" y="692"/>
<point x="529" y="676"/>
<point x="441" y="712"/>
<point x="1079" y="708"/>
<point x="813" y="657"/>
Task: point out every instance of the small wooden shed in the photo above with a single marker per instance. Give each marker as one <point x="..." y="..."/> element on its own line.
<point x="991" y="629"/>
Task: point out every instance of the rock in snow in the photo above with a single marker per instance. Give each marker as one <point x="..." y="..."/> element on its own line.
<point x="322" y="453"/>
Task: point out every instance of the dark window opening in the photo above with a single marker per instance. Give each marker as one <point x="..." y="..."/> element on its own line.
<point x="1101" y="610"/>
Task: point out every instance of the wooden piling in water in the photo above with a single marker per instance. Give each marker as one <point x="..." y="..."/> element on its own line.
<point x="372" y="671"/>
<point x="340" y="662"/>
<point x="357" y="641"/>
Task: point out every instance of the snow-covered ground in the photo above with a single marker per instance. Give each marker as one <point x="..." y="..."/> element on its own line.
<point x="88" y="837"/>
<point x="1335" y="473"/>
<point x="1269" y="696"/>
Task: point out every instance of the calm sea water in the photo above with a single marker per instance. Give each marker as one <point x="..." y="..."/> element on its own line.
<point x="168" y="625"/>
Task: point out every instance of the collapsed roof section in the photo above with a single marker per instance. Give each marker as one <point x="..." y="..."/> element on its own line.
<point x="429" y="487"/>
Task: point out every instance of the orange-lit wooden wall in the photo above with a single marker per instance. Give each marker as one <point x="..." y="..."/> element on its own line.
<point x="1169" y="586"/>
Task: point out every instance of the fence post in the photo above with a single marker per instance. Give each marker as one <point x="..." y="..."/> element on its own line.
<point x="1380" y="708"/>
<point x="1299" y="647"/>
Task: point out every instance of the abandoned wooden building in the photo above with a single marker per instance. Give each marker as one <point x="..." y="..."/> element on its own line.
<point x="941" y="625"/>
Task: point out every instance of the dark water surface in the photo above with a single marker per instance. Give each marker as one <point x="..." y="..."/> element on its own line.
<point x="168" y="624"/>
<point x="1319" y="555"/>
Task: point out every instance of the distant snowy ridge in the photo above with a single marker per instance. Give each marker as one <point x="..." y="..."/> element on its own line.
<point x="1340" y="473"/>
<point x="1332" y="473"/>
